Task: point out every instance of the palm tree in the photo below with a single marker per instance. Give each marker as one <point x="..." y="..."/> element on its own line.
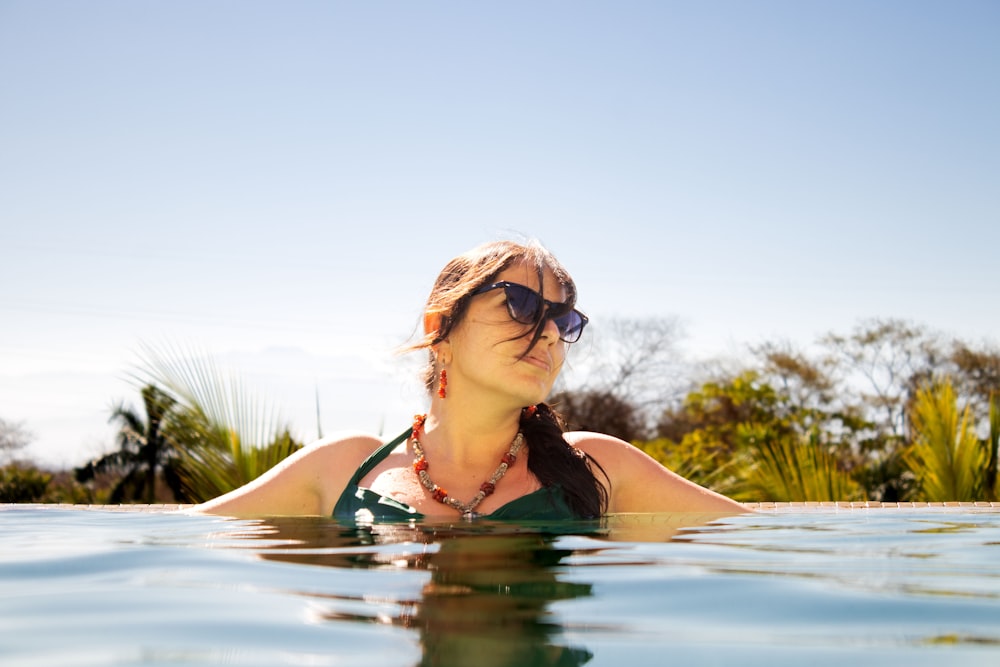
<point x="143" y="450"/>
<point x="222" y="436"/>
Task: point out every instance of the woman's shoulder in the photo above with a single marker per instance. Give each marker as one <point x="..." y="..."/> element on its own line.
<point x="307" y="482"/>
<point x="342" y="453"/>
<point x="639" y="483"/>
<point x="600" y="444"/>
<point x="344" y="443"/>
<point x="585" y="437"/>
<point x="619" y="458"/>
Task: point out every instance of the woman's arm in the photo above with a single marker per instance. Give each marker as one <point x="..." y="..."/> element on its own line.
<point x="307" y="483"/>
<point x="639" y="483"/>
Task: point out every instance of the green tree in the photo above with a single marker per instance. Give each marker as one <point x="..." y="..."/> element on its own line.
<point x="712" y="414"/>
<point x="143" y="451"/>
<point x="22" y="483"/>
<point x="761" y="443"/>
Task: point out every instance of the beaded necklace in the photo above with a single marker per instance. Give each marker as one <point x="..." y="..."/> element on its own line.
<point x="439" y="494"/>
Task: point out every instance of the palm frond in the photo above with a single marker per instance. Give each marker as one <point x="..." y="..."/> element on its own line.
<point x="224" y="434"/>
<point x="945" y="455"/>
<point x="132" y="429"/>
<point x="789" y="468"/>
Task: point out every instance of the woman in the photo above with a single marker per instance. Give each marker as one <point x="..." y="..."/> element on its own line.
<point x="497" y="326"/>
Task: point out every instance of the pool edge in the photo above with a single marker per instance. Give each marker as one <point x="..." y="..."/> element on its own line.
<point x="764" y="506"/>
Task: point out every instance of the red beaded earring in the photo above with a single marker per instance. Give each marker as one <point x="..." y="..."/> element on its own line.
<point x="443" y="384"/>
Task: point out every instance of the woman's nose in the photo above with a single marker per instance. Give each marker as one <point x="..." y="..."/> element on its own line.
<point x="550" y="330"/>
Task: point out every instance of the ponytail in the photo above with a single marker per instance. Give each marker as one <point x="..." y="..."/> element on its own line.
<point x="553" y="461"/>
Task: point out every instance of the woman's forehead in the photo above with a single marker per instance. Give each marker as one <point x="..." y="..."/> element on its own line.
<point x="526" y="274"/>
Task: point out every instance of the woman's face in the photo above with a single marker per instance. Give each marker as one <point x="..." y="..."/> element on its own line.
<point x="487" y="348"/>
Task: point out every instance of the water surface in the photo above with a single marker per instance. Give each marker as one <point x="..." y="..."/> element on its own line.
<point x="888" y="587"/>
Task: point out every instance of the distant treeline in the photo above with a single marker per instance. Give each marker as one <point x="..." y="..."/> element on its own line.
<point x="888" y="412"/>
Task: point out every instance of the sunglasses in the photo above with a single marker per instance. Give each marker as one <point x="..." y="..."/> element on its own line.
<point x="527" y="306"/>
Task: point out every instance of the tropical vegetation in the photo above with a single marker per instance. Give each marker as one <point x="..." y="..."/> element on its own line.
<point x="220" y="433"/>
<point x="201" y="433"/>
<point x="887" y="412"/>
<point x="143" y="451"/>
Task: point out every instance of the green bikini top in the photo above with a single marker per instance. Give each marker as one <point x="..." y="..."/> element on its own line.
<point x="357" y="503"/>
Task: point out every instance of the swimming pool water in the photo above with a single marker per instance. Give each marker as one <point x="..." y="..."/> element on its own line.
<point x="826" y="587"/>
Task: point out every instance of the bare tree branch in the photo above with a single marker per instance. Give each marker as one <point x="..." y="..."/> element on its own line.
<point x="13" y="436"/>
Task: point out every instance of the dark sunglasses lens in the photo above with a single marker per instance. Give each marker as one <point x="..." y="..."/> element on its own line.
<point x="570" y="326"/>
<point x="523" y="304"/>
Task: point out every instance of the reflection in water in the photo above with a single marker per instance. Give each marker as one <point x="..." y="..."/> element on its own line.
<point x="820" y="588"/>
<point x="487" y="597"/>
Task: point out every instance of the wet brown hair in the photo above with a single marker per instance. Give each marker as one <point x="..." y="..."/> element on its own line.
<point x="550" y="458"/>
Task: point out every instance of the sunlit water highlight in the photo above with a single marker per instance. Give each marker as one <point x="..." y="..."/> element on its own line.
<point x="887" y="587"/>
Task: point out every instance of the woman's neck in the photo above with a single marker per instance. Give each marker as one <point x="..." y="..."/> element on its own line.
<point x="469" y="437"/>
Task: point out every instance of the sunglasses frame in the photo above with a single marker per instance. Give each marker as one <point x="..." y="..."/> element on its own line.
<point x="544" y="303"/>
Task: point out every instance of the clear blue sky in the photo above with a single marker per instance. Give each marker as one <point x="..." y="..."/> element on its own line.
<point x="279" y="182"/>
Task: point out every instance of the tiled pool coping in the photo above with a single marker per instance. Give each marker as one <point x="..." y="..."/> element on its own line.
<point x="136" y="507"/>
<point x="870" y="505"/>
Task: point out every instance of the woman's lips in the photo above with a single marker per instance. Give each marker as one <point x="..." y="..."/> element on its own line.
<point x="544" y="364"/>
